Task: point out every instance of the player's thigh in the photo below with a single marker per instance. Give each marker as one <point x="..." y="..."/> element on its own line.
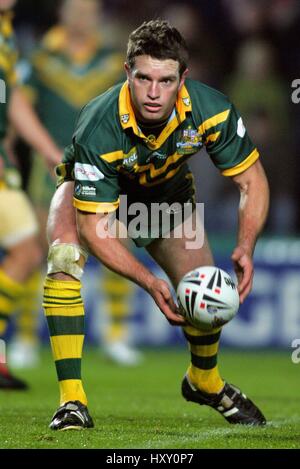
<point x="61" y="226"/>
<point x="18" y="221"/>
<point x="178" y="255"/>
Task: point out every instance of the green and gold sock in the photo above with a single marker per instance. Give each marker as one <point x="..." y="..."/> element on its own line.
<point x="64" y="311"/>
<point x="29" y="305"/>
<point x="10" y="293"/>
<point x="203" y="371"/>
<point x="118" y="291"/>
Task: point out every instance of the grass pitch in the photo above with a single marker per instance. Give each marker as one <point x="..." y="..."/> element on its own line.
<point x="142" y="407"/>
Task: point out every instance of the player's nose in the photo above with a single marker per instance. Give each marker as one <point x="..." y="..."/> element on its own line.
<point x="153" y="91"/>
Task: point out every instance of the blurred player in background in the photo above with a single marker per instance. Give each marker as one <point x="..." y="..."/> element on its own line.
<point x="135" y="140"/>
<point x="18" y="230"/>
<point x="73" y="65"/>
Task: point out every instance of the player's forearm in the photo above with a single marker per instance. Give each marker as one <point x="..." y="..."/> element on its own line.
<point x="117" y="258"/>
<point x="253" y="209"/>
<point x="28" y="126"/>
<point x="111" y="252"/>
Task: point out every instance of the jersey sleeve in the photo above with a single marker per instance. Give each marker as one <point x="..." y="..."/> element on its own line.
<point x="229" y="144"/>
<point x="96" y="187"/>
<point x="29" y="82"/>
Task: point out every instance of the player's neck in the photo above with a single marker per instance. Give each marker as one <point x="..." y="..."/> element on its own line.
<point x="153" y="124"/>
<point x="154" y="128"/>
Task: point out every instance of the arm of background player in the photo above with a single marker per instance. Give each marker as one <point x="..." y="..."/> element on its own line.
<point x="29" y="127"/>
<point x="95" y="236"/>
<point x="253" y="210"/>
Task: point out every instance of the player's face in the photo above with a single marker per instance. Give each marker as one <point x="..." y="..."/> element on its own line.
<point x="7" y="4"/>
<point x="81" y="16"/>
<point x="154" y="85"/>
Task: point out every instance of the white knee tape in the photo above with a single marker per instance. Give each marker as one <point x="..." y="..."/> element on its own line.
<point x="65" y="258"/>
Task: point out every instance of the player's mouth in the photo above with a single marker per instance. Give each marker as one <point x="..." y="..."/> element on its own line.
<point x="152" y="107"/>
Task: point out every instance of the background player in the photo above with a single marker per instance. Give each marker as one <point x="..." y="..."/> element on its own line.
<point x="18" y="231"/>
<point x="73" y="64"/>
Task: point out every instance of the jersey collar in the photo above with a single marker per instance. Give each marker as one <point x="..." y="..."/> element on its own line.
<point x="56" y="40"/>
<point x="128" y="120"/>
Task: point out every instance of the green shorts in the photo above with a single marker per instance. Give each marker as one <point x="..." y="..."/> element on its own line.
<point x="148" y="213"/>
<point x="148" y="217"/>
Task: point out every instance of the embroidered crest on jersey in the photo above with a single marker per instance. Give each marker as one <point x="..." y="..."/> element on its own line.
<point x="186" y="101"/>
<point x="191" y="141"/>
<point x="125" y="118"/>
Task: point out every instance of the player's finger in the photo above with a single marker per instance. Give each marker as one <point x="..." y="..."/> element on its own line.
<point x="245" y="288"/>
<point x="172" y="317"/>
<point x="245" y="292"/>
<point x="245" y="270"/>
<point x="172" y="305"/>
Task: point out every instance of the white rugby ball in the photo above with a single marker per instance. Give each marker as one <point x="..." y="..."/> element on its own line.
<point x="208" y="297"/>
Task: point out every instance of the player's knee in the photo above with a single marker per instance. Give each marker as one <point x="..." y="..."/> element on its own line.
<point x="65" y="260"/>
<point x="61" y="276"/>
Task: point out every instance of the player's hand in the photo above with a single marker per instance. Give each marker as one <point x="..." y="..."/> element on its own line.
<point x="160" y="292"/>
<point x="243" y="267"/>
<point x="52" y="161"/>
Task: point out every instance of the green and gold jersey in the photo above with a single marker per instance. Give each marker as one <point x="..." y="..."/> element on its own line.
<point x="8" y="78"/>
<point x="61" y="83"/>
<point x="110" y="155"/>
<point x="8" y="59"/>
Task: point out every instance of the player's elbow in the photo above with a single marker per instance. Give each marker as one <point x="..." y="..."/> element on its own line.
<point x="253" y="180"/>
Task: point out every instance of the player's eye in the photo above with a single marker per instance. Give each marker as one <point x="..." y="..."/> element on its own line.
<point x="167" y="81"/>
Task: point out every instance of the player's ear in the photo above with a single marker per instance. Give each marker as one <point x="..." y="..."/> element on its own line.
<point x="127" y="70"/>
<point x="183" y="77"/>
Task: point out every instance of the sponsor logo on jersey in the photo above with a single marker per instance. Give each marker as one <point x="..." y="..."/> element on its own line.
<point x="156" y="154"/>
<point x="89" y="191"/>
<point x="87" y="172"/>
<point x="77" y="189"/>
<point x="130" y="159"/>
<point x="190" y="143"/>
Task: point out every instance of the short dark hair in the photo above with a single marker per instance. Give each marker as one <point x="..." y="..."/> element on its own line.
<point x="160" y="40"/>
